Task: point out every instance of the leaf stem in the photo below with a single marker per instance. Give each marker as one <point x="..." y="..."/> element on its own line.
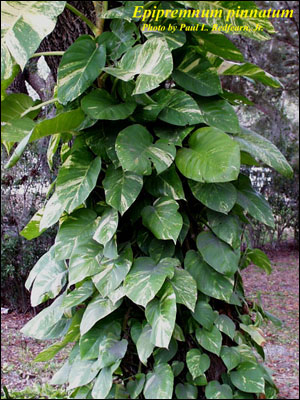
<point x="89" y="23"/>
<point x="37" y="107"/>
<point x="48" y="53"/>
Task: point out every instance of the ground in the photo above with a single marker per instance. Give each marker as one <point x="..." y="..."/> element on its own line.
<point x="280" y="295"/>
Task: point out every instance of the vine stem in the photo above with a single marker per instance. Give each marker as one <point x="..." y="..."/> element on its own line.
<point x="89" y="23"/>
<point x="100" y="8"/>
<point x="37" y="107"/>
<point x="48" y="53"/>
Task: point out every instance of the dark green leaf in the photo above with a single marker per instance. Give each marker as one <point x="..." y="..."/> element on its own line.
<point x="211" y="157"/>
<point x="217" y="253"/>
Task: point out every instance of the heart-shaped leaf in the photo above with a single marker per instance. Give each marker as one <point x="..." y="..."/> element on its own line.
<point x="211" y="157"/>
<point x="147" y="277"/>
<point x="163" y="219"/>
<point x="197" y="362"/>
<point x="142" y="150"/>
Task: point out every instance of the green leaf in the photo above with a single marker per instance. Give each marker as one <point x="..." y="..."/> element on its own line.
<point x="174" y="39"/>
<point x="209" y="281"/>
<point x="220" y="197"/>
<point x="144" y="345"/>
<point x="211" y="157"/>
<point x="113" y="272"/>
<point x="214" y="390"/>
<point x="37" y="20"/>
<point x="210" y="340"/>
<point x="121" y="188"/>
<point x="146" y="278"/>
<point x="97" y="309"/>
<point x="226" y="227"/>
<point x="137" y="160"/>
<point x="159" y="249"/>
<point x="18" y="151"/>
<point x="219" y="114"/>
<point x="71" y="336"/>
<point x="186" y="391"/>
<point x="163" y="219"/>
<point x="225" y="325"/>
<point x="159" y="384"/>
<point x="254" y="332"/>
<point x="110" y="351"/>
<point x="67" y="121"/>
<point x="259" y="258"/>
<point x="205" y="315"/>
<point x="17" y="130"/>
<point x="119" y="39"/>
<point x="82" y="372"/>
<point x="99" y="104"/>
<point x="52" y="212"/>
<point x="230" y="357"/>
<point x="165" y="355"/>
<point x="178" y="107"/>
<point x="52" y="148"/>
<point x="262" y="148"/>
<point x="253" y="202"/>
<point x="166" y="184"/>
<point x="135" y="387"/>
<point x="49" y="280"/>
<point x="80" y="65"/>
<point x="104" y="382"/>
<point x="250" y="71"/>
<point x="107" y="227"/>
<point x="177" y="367"/>
<point x="197" y="75"/>
<point x="62" y="375"/>
<point x="146" y="61"/>
<point x="161" y="315"/>
<point x="172" y="134"/>
<point x="185" y="288"/>
<point x="32" y="229"/>
<point x="13" y="107"/>
<point x="48" y="324"/>
<point x="78" y="295"/>
<point x="248" y="378"/>
<point x="89" y="342"/>
<point x="217" y="253"/>
<point x="77" y="229"/>
<point x="197" y="362"/>
<point x="218" y="44"/>
<point x="76" y="178"/>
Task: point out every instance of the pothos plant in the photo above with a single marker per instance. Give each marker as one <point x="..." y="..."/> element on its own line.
<point x="151" y="203"/>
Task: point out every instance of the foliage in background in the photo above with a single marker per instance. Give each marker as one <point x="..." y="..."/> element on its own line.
<point x="152" y="209"/>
